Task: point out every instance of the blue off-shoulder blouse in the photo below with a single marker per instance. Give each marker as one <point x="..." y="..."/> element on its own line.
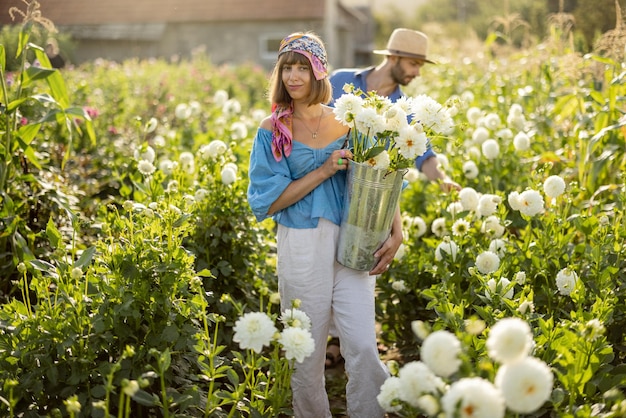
<point x="269" y="179"/>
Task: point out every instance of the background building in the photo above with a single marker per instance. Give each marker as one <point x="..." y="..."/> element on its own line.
<point x="236" y="31"/>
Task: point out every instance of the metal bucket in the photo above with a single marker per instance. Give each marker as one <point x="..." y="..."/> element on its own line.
<point x="370" y="203"/>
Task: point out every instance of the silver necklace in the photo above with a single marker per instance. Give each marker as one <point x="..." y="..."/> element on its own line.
<point x="319" y="122"/>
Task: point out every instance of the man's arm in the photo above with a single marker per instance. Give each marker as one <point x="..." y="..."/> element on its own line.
<point x="431" y="170"/>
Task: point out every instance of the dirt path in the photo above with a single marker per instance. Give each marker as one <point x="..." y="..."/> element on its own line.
<point x="336" y="385"/>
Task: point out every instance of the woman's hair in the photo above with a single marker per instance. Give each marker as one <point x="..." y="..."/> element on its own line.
<point x="321" y="90"/>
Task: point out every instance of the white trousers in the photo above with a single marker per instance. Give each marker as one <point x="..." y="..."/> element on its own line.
<point x="308" y="271"/>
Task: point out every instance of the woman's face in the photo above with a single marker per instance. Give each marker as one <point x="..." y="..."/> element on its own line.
<point x="297" y="80"/>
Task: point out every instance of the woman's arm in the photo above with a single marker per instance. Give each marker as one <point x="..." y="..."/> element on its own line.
<point x="297" y="189"/>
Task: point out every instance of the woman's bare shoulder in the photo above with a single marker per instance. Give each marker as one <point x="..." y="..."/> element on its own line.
<point x="267" y="123"/>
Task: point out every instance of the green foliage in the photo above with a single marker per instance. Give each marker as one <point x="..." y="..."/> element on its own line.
<point x="133" y="288"/>
<point x="127" y="256"/>
<point x="576" y="133"/>
<point x="597" y="18"/>
<point x="33" y="101"/>
<point x="39" y="36"/>
<point x="460" y="19"/>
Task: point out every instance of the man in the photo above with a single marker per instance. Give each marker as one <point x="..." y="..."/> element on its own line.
<point x="405" y="55"/>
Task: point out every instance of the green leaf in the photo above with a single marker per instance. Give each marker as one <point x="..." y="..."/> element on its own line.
<point x="98" y="391"/>
<point x="54" y="236"/>
<point x="205" y="273"/>
<point x="144" y="398"/>
<point x="598" y="58"/>
<point x="3" y="58"/>
<point x="23" y="38"/>
<point x="77" y="111"/>
<point x="36" y="73"/>
<point x="232" y="377"/>
<point x="53" y="374"/>
<point x="166" y="358"/>
<point x="85" y="258"/>
<point x="491" y="38"/>
<point x="567" y="106"/>
<point x="91" y="133"/>
<point x="373" y="152"/>
<point x="44" y="267"/>
<point x="15" y="104"/>
<point x="55" y="81"/>
<point x="28" y="132"/>
<point x="29" y="152"/>
<point x="20" y="244"/>
<point x="181" y="220"/>
<point x="129" y="270"/>
<point x="606" y="129"/>
<point x="597" y="96"/>
<point x="170" y="333"/>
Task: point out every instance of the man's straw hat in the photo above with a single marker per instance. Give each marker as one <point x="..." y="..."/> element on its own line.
<point x="406" y="43"/>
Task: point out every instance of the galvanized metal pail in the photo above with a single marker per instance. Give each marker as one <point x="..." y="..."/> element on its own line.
<point x="370" y="203"/>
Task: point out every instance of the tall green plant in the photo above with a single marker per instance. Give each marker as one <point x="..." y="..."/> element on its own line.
<point x="31" y="98"/>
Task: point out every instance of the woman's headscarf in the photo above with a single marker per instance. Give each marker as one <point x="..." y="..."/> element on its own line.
<point x="282" y="116"/>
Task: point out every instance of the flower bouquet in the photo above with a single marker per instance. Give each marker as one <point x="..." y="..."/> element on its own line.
<point x="385" y="138"/>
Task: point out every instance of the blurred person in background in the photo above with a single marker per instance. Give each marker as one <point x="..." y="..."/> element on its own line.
<point x="54" y="54"/>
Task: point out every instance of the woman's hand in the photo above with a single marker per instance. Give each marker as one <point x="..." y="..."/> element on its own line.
<point x="388" y="250"/>
<point x="386" y="254"/>
<point x="338" y="160"/>
<point x="297" y="189"/>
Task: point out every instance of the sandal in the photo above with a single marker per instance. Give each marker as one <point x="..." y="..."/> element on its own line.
<point x="333" y="360"/>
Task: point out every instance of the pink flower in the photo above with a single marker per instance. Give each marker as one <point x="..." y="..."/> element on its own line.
<point x="91" y="112"/>
<point x="10" y="78"/>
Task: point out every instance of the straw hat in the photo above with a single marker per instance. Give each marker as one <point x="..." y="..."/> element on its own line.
<point x="406" y="43"/>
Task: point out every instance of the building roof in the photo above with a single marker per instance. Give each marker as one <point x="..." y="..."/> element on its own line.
<point x="95" y="12"/>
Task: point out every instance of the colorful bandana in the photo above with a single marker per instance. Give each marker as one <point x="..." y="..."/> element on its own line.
<point x="282" y="117"/>
<point x="311" y="49"/>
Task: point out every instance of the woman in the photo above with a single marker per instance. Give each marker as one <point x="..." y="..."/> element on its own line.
<point x="297" y="176"/>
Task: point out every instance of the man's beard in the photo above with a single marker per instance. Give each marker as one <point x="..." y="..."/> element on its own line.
<point x="399" y="76"/>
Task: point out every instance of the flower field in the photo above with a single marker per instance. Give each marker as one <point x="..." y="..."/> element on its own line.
<point x="135" y="282"/>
